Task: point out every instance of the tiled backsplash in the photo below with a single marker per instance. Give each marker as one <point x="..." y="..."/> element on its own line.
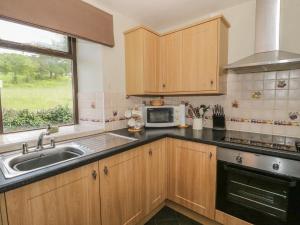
<point x="273" y="110"/>
<point x="261" y="102"/>
<point x="105" y="108"/>
<point x="115" y="106"/>
<point x="91" y="105"/>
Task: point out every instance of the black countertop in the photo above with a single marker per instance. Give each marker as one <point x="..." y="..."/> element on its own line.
<point x="206" y="136"/>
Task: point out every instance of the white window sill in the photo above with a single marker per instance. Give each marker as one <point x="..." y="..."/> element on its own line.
<point x="14" y="141"/>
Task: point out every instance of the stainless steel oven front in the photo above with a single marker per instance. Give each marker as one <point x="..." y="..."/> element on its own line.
<point x="260" y="189"/>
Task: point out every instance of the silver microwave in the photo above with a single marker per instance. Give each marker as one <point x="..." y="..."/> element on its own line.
<point x="163" y="116"/>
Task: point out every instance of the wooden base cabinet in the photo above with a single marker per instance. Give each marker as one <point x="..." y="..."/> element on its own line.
<point x="192" y="176"/>
<point x="132" y="184"/>
<point x="3" y="211"/>
<point x="226" y="219"/>
<point x="155" y="175"/>
<point x="70" y="198"/>
<point x="121" y="188"/>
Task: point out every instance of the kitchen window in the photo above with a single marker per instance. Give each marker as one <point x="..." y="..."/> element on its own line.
<point x="38" y="78"/>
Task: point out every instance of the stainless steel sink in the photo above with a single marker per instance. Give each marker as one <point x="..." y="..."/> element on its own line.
<point x="38" y="160"/>
<point x="18" y="164"/>
<point x="15" y="163"/>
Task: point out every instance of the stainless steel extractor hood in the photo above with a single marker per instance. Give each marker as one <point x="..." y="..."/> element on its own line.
<point x="268" y="55"/>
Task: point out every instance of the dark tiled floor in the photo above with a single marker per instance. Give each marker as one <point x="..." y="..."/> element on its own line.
<point x="167" y="216"/>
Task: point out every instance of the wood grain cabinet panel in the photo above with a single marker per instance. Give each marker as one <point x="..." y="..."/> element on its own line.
<point x="226" y="219"/>
<point x="151" y="62"/>
<point x="192" y="176"/>
<point x="121" y="188"/>
<point x="155" y="175"/>
<point x="3" y="210"/>
<point x="185" y="61"/>
<point x="134" y="51"/>
<point x="171" y="63"/>
<point x="142" y="58"/>
<point x="200" y="57"/>
<point x="71" y="198"/>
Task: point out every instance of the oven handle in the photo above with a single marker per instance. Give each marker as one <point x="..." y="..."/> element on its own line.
<point x="241" y="171"/>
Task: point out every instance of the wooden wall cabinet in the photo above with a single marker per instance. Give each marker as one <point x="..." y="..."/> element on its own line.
<point x="200" y="57"/>
<point x="192" y="176"/>
<point x="70" y="198"/>
<point x="171" y="79"/>
<point x="142" y="57"/>
<point x="155" y="174"/>
<point x="189" y="60"/>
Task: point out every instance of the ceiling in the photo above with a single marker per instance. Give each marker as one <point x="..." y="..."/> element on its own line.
<point x="161" y="14"/>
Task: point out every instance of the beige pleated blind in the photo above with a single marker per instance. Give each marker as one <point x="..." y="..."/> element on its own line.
<point x="72" y="17"/>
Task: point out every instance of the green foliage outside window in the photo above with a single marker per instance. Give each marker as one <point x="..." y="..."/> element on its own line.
<point x="37" y="91"/>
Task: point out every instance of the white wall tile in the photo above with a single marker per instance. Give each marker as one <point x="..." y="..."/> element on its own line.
<point x="274" y="104"/>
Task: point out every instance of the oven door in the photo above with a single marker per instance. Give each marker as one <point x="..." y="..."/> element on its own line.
<point x="257" y="197"/>
<point x="160" y="117"/>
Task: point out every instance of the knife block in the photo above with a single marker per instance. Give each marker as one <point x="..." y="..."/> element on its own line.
<point x="219" y="122"/>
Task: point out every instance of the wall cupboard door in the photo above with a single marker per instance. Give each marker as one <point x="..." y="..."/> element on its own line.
<point x="151" y="62"/>
<point x="155" y="174"/>
<point x="142" y="58"/>
<point x="200" y="57"/>
<point x="71" y="198"/>
<point x="192" y="176"/>
<point x="171" y="62"/>
<point x="121" y="188"/>
<point x="134" y="51"/>
<point x="185" y="61"/>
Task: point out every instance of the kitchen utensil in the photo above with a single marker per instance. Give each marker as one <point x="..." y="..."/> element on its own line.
<point x="297" y="143"/>
<point x="218" y="118"/>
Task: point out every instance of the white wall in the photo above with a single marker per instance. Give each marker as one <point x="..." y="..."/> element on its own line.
<point x="241" y="40"/>
<point x="289" y="26"/>
<point x="241" y="32"/>
<point x="101" y="76"/>
<point x="114" y="58"/>
<point x="89" y="66"/>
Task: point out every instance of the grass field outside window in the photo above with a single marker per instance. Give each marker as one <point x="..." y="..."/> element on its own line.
<point x="37" y="86"/>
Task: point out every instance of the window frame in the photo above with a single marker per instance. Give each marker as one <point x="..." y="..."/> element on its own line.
<point x="70" y="54"/>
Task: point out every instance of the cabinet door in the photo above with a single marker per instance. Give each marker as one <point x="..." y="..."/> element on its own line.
<point x="3" y="217"/>
<point x="151" y="62"/>
<point x="155" y="174"/>
<point x="134" y="62"/>
<point x="171" y="62"/>
<point x="71" y="198"/>
<point x="200" y="57"/>
<point x="192" y="176"/>
<point x="121" y="188"/>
